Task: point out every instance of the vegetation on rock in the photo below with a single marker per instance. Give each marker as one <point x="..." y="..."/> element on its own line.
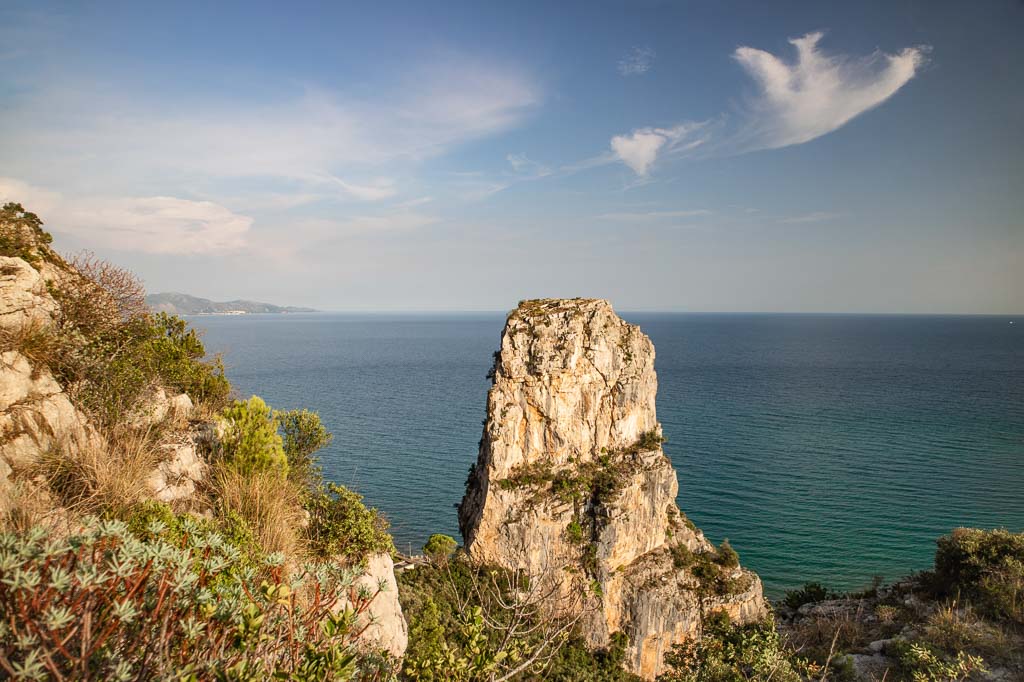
<point x="104" y="604"/>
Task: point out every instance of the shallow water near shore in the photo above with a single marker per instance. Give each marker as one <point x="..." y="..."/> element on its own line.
<point x="825" y="447"/>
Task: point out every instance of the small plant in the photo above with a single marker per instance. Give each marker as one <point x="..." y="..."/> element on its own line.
<point x="303" y="434"/>
<point x="250" y="442"/>
<point x="925" y="663"/>
<point x="726" y="555"/>
<point x="730" y="652"/>
<point x="886" y="613"/>
<point x="574" y="532"/>
<point x="340" y="525"/>
<point x="440" y="547"/>
<point x="809" y="593"/>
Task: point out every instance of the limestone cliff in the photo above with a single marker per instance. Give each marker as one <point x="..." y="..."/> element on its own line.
<point x="571" y="474"/>
<point x="39" y="419"/>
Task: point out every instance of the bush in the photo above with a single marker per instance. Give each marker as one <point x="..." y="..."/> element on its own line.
<point x="160" y="610"/>
<point x="340" y="525"/>
<point x="439" y="547"/>
<point x="809" y="593"/>
<point x="250" y="442"/>
<point x="987" y="566"/>
<point x="728" y="652"/>
<point x="21" y="232"/>
<point x="727" y="556"/>
<point x="924" y="663"/>
<point x="303" y="434"/>
<point x="176" y="354"/>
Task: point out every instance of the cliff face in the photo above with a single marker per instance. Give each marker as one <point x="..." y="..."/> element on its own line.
<point x="571" y="473"/>
<point x="38" y="418"/>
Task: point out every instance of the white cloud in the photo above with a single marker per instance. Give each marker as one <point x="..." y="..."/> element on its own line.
<point x="650" y="216"/>
<point x="819" y="93"/>
<point x="159" y="225"/>
<point x="795" y="103"/>
<point x="638" y="61"/>
<point x="84" y="136"/>
<point x="639" y="149"/>
<point x="523" y="165"/>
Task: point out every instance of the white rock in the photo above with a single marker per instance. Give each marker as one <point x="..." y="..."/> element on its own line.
<point x="24" y="299"/>
<point x="572" y="383"/>
<point x="387" y="628"/>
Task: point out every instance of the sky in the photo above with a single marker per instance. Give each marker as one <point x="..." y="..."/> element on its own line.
<point x="710" y="155"/>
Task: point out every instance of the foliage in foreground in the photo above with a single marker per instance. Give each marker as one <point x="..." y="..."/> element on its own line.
<point x="985" y="566"/>
<point x="730" y="653"/>
<point x="472" y="623"/>
<point x="104" y="604"/>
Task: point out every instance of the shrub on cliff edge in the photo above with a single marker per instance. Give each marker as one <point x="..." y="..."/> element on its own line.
<point x="250" y="443"/>
<point x="987" y="566"/>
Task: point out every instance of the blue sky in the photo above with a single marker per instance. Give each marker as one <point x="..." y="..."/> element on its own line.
<point x="703" y="156"/>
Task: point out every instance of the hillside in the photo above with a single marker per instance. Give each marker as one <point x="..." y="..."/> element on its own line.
<point x="174" y="303"/>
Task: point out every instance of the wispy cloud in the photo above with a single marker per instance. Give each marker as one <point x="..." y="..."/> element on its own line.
<point x="640" y="148"/>
<point x="311" y="141"/>
<point x="638" y="61"/>
<point x="818" y="93"/>
<point x="523" y="165"/>
<point x="651" y="216"/>
<point x="794" y="103"/>
<point x="161" y="225"/>
<point x="815" y="217"/>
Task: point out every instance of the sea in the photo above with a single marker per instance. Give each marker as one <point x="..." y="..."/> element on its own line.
<point x="826" y="448"/>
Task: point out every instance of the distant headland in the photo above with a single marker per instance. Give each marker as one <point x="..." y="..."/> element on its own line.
<point x="183" y="304"/>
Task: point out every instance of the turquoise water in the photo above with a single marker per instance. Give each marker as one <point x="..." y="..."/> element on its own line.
<point x="825" y="447"/>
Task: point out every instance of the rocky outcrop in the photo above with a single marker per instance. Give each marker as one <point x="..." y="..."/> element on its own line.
<point x="571" y="473"/>
<point x="387" y="628"/>
<point x="24" y="300"/>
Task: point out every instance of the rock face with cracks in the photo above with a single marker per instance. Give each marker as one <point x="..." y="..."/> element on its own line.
<point x="571" y="478"/>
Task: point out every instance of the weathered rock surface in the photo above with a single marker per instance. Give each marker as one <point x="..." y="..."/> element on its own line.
<point x="24" y="300"/>
<point x="571" y="471"/>
<point x="388" y="629"/>
<point x="35" y="415"/>
<point x="177" y="476"/>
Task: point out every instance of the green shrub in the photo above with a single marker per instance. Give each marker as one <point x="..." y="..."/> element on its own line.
<point x="986" y="566"/>
<point x="574" y="532"/>
<point x="577" y="662"/>
<point x="103" y="604"/>
<point x="340" y="525"/>
<point x="809" y="593"/>
<point x="303" y="434"/>
<point x="439" y="547"/>
<point x="21" y="232"/>
<point x="922" y="662"/>
<point x="176" y="354"/>
<point x="727" y="556"/>
<point x="728" y="653"/>
<point x="250" y="442"/>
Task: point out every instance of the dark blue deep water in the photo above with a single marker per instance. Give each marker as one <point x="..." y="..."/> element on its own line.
<point x="825" y="447"/>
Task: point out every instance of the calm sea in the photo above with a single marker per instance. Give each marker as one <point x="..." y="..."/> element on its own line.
<point x="825" y="447"/>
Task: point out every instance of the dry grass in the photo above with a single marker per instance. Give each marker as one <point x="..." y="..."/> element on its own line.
<point x="269" y="505"/>
<point x="818" y="638"/>
<point x="102" y="478"/>
<point x="36" y="341"/>
<point x="956" y="627"/>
